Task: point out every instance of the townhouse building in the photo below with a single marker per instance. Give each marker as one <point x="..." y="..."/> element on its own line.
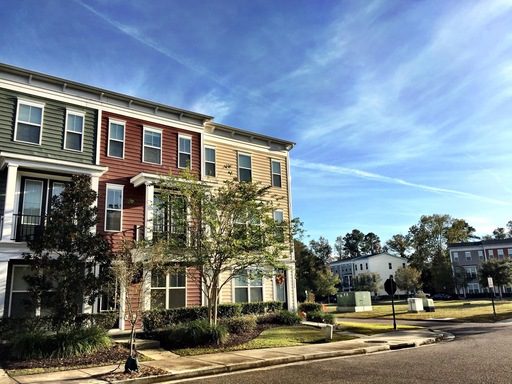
<point x="383" y="264"/>
<point x="51" y="128"/>
<point x="467" y="258"/>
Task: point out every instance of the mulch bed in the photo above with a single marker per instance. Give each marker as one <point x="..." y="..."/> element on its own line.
<point x="143" y="372"/>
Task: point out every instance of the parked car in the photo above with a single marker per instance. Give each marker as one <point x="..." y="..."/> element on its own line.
<point x="441" y="296"/>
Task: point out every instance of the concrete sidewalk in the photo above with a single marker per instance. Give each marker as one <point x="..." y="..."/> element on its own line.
<point x="215" y="363"/>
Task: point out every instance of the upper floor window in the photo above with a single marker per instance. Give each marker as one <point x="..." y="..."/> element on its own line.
<point x="276" y="173"/>
<point x="209" y="161"/>
<point x="500" y="252"/>
<point x="244" y="167"/>
<point x="116" y="139"/>
<point x="73" y="137"/>
<point x="390" y="266"/>
<point x="481" y="255"/>
<point x="29" y="122"/>
<point x="491" y="253"/>
<point x="279" y="218"/>
<point x="467" y="254"/>
<point x="114" y="207"/>
<point x="455" y="256"/>
<point x="152" y="147"/>
<point x="509" y="251"/>
<point x="184" y="152"/>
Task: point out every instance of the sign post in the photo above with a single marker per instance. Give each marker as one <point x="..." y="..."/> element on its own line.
<point x="490" y="284"/>
<point x="390" y="287"/>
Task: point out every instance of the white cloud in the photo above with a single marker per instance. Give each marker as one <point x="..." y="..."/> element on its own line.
<point x="212" y="104"/>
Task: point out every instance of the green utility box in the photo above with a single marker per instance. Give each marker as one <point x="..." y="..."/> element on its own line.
<point x="354" y="301"/>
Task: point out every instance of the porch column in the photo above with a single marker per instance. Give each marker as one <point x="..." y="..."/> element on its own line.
<point x="292" y="288"/>
<point x="148" y="211"/>
<point x="10" y="194"/>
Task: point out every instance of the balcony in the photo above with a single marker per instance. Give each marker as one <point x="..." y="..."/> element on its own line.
<point x="162" y="231"/>
<point x="23" y="227"/>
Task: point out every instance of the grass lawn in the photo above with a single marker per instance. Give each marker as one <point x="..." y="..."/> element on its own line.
<point x="271" y="338"/>
<point x="371" y="328"/>
<point x="460" y="310"/>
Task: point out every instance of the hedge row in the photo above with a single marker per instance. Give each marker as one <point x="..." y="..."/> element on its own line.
<point x="10" y="326"/>
<point x="157" y="319"/>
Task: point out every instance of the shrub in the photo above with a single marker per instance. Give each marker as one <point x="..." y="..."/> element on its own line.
<point x="240" y="324"/>
<point x="194" y="333"/>
<point x="282" y="317"/>
<point x="103" y="320"/>
<point x="310" y="307"/>
<point x="321" y="317"/>
<point x="229" y="310"/>
<point x="274" y="306"/>
<point x="73" y="342"/>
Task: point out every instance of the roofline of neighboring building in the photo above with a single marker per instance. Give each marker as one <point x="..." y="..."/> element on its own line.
<point x="366" y="256"/>
<point x="480" y="243"/>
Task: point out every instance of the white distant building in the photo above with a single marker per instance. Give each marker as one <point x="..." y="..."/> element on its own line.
<point x="383" y="264"/>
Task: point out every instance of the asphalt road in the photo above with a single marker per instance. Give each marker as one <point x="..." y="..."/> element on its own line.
<point x="480" y="354"/>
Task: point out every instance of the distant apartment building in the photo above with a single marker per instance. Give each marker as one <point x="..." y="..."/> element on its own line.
<point x="469" y="256"/>
<point x="383" y="264"/>
<point x="51" y="129"/>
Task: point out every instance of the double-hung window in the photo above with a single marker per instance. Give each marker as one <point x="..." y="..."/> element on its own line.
<point x="73" y="136"/>
<point x="500" y="252"/>
<point x="244" y="167"/>
<point x="152" y="147"/>
<point x="467" y="254"/>
<point x="184" y="152"/>
<point x="209" y="161"/>
<point x="455" y="256"/>
<point x="276" y="173"/>
<point x="168" y="289"/>
<point x="29" y="122"/>
<point x="116" y="139"/>
<point x="114" y="207"/>
<point x="279" y="219"/>
<point x="248" y="287"/>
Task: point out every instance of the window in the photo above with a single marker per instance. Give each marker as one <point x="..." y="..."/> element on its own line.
<point x="471" y="273"/>
<point x="455" y="256"/>
<point x="366" y="265"/>
<point x="152" y="147"/>
<point x="244" y="167"/>
<point x="22" y="303"/>
<point x="114" y="207"/>
<point x="209" y="161"/>
<point x="473" y="288"/>
<point x="403" y="265"/>
<point x="29" y="122"/>
<point x="390" y="266"/>
<point x="361" y="266"/>
<point x="248" y="287"/>
<point x="481" y="255"/>
<point x="276" y="173"/>
<point x="509" y="252"/>
<point x="279" y="218"/>
<point x="73" y="136"/>
<point x="491" y="253"/>
<point x="500" y="252"/>
<point x="170" y="219"/>
<point x="116" y="139"/>
<point x="355" y="265"/>
<point x="184" y="152"/>
<point x="467" y="254"/>
<point x="168" y="290"/>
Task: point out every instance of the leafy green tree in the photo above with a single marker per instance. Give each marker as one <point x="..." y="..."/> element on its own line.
<point x="460" y="231"/>
<point x="460" y="279"/>
<point x="408" y="279"/>
<point x="371" y="244"/>
<point x="499" y="233"/>
<point x="231" y="231"/>
<point x="353" y="242"/>
<point x="367" y="281"/>
<point x="399" y="244"/>
<point x="70" y="262"/>
<point x="321" y="249"/>
<point x="499" y="270"/>
<point x="313" y="274"/>
<point x="338" y="247"/>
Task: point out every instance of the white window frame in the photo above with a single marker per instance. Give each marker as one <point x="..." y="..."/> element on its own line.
<point x="249" y="286"/>
<point x="66" y="130"/>
<point x="272" y="161"/>
<point x="467" y="255"/>
<point x="501" y="252"/>
<point x="509" y="252"/>
<point x="209" y="162"/>
<point x="38" y="310"/>
<point x="239" y="167"/>
<point x="31" y="104"/>
<point x="455" y="256"/>
<point x="168" y="288"/>
<point x="279" y="220"/>
<point x="118" y="122"/>
<point x="118" y="187"/>
<point x="189" y="138"/>
<point x="490" y="253"/>
<point x="154" y="130"/>
<point x="481" y="255"/>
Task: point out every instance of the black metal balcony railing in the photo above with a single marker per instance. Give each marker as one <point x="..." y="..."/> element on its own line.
<point x="26" y="227"/>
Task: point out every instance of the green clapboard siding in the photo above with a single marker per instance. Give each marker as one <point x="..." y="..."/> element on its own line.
<point x="52" y="144"/>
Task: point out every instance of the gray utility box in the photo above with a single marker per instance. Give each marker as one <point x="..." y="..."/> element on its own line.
<point x="354" y="301"/>
<point x="415" y="304"/>
<point x="428" y="305"/>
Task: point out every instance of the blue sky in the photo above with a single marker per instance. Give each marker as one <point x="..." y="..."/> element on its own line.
<point x="398" y="108"/>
